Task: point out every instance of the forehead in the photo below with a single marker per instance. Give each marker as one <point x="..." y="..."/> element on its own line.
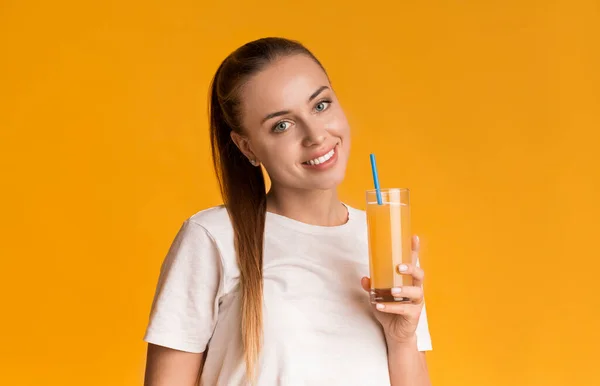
<point x="284" y="84"/>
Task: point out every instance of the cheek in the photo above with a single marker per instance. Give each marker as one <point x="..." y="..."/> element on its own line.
<point x="278" y="155"/>
<point x="337" y="125"/>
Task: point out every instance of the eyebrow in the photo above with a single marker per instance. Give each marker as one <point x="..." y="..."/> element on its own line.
<point x="316" y="93"/>
<point x="284" y="112"/>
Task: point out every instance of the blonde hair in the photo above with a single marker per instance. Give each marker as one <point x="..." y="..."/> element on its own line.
<point x="243" y="185"/>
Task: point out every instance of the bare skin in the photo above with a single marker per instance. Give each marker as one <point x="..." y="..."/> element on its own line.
<point x="290" y="117"/>
<point x="165" y="366"/>
<point x="282" y="143"/>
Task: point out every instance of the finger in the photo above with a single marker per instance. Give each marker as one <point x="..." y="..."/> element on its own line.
<point x="365" y="282"/>
<point x="415" y="244"/>
<point x="412" y="293"/>
<point x="398" y="308"/>
<point x="416" y="272"/>
<point x="415" y="249"/>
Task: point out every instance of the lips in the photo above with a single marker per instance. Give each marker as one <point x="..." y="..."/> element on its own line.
<point x="322" y="157"/>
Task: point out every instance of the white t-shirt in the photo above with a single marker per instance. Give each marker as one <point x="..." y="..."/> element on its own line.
<point x="318" y="325"/>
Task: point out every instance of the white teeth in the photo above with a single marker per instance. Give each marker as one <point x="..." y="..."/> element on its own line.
<point x="322" y="159"/>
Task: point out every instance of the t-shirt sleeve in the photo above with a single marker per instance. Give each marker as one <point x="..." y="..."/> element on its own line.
<point x="423" y="337"/>
<point x="185" y="305"/>
<point x="422" y="332"/>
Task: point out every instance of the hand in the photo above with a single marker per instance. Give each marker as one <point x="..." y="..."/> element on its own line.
<point x="399" y="320"/>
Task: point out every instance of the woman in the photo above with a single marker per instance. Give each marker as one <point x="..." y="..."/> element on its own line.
<point x="266" y="289"/>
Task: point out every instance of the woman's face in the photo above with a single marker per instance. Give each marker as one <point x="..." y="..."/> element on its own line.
<point x="294" y="125"/>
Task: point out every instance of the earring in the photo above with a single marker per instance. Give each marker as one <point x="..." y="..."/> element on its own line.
<point x="253" y="162"/>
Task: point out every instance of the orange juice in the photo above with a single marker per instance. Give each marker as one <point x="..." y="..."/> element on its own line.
<point x="389" y="242"/>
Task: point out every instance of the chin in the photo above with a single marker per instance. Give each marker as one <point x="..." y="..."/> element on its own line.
<point x="328" y="186"/>
<point x="329" y="182"/>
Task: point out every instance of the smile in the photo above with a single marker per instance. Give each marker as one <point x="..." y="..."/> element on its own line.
<point x="322" y="159"/>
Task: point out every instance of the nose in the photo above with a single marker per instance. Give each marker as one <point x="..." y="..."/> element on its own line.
<point x="315" y="135"/>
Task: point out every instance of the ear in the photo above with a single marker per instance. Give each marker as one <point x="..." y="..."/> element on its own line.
<point x="243" y="144"/>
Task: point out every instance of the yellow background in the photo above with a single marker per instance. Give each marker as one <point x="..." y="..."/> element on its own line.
<point x="488" y="110"/>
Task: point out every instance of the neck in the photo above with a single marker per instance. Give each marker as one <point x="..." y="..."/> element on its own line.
<point x="315" y="207"/>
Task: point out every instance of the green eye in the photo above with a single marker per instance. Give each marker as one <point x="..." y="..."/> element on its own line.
<point x="322" y="106"/>
<point x="281" y="127"/>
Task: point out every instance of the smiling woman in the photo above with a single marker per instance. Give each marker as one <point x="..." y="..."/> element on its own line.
<point x="266" y="289"/>
<point x="288" y="116"/>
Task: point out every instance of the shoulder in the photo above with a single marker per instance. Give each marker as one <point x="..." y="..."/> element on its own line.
<point x="216" y="224"/>
<point x="357" y="214"/>
<point x="214" y="220"/>
<point x="201" y="232"/>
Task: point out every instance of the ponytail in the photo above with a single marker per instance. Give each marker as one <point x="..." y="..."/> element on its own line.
<point x="242" y="185"/>
<point x="244" y="195"/>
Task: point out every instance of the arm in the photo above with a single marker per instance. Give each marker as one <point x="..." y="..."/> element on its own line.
<point x="408" y="366"/>
<point x="169" y="367"/>
<point x="184" y="310"/>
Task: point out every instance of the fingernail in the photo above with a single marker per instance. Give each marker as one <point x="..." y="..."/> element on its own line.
<point x="403" y="268"/>
<point x="396" y="290"/>
<point x="380" y="306"/>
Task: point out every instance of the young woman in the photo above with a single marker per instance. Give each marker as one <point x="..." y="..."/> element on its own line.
<point x="270" y="288"/>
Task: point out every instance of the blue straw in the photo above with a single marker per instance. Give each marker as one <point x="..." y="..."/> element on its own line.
<point x="376" y="179"/>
